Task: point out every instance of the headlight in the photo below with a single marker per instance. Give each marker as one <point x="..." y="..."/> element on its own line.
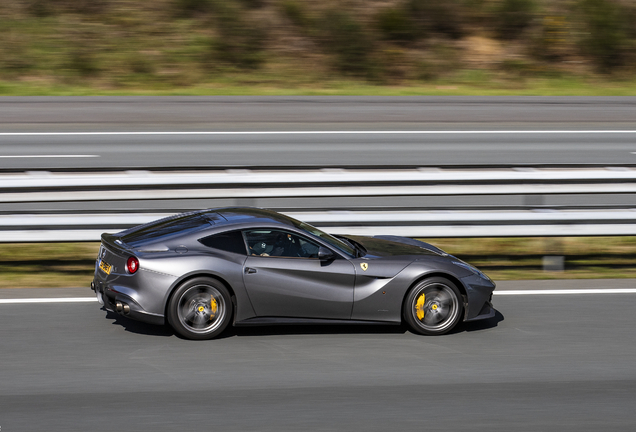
<point x="472" y="269"/>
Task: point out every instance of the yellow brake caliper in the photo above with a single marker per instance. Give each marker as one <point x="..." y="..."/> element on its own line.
<point x="419" y="306"/>
<point x="213" y="308"/>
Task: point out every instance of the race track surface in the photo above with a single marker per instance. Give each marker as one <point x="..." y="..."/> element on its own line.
<point x="546" y="363"/>
<point x="513" y="131"/>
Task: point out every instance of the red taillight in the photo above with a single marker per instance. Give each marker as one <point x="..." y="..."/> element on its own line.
<point x="132" y="264"/>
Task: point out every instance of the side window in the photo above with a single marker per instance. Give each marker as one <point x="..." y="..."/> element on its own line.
<point x="231" y="241"/>
<point x="277" y="243"/>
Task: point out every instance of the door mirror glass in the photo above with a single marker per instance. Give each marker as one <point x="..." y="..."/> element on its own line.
<point x="324" y="254"/>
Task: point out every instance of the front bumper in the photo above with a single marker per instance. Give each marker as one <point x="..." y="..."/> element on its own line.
<point x="479" y="298"/>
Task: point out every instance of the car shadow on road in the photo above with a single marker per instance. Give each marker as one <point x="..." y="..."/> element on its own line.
<point x="479" y="325"/>
<point x="276" y="330"/>
<point x="139" y="327"/>
<point x="351" y="329"/>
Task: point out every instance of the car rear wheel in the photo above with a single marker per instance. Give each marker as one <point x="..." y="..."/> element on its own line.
<point x="433" y="307"/>
<point x="200" y="308"/>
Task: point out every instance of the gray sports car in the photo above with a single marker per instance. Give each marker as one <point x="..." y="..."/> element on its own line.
<point x="204" y="269"/>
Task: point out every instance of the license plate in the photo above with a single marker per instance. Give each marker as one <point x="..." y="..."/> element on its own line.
<point x="106" y="268"/>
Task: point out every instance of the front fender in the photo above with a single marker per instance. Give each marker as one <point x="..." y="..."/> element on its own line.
<point x="381" y="299"/>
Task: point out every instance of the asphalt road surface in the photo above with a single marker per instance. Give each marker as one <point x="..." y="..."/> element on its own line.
<point x="42" y="133"/>
<point x="546" y="363"/>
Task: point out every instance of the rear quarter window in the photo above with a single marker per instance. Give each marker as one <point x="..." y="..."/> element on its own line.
<point x="163" y="228"/>
<point x="231" y="241"/>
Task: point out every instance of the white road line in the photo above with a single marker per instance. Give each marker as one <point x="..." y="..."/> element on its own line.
<point x="331" y="132"/>
<point x="49" y="300"/>
<point x="568" y="291"/>
<point x="497" y="292"/>
<point x="46" y="156"/>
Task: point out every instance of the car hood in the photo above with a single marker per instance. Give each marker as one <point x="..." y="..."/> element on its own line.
<point x="396" y="246"/>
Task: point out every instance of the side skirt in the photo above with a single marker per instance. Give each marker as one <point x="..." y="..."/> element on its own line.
<point x="256" y="321"/>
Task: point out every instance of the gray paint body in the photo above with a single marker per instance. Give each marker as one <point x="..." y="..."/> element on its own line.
<point x="282" y="289"/>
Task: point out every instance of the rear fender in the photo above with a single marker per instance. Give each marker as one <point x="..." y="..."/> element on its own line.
<point x="232" y="278"/>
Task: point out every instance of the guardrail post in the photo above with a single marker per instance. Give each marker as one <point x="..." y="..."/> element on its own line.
<point x="554" y="263"/>
<point x="554" y="260"/>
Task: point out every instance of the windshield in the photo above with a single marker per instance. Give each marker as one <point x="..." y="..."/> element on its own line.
<point x="338" y="244"/>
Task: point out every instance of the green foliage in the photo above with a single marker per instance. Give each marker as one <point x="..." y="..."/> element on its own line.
<point x="83" y="62"/>
<point x="476" y="12"/>
<point x="512" y="17"/>
<point x="296" y="13"/>
<point x="629" y="16"/>
<point x="396" y="25"/>
<point x="607" y="39"/>
<point x="428" y="71"/>
<point x="254" y="4"/>
<point x="140" y="64"/>
<point x="186" y="8"/>
<point x="15" y="59"/>
<point x="517" y="68"/>
<point x="552" y="42"/>
<point x="40" y="8"/>
<point x="44" y="8"/>
<point x="240" y="42"/>
<point x="443" y="17"/>
<point x="347" y="40"/>
<point x="442" y="62"/>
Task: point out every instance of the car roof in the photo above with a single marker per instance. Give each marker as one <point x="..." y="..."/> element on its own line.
<point x="197" y="223"/>
<point x="250" y="215"/>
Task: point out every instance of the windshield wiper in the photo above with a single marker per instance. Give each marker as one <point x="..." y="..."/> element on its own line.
<point x="362" y="251"/>
<point x="354" y="245"/>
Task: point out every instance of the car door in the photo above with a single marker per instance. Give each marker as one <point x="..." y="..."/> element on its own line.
<point x="284" y="277"/>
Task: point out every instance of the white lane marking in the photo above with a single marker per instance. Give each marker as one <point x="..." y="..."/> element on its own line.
<point x="46" y="156"/>
<point x="49" y="300"/>
<point x="330" y="132"/>
<point x="568" y="291"/>
<point x="496" y="292"/>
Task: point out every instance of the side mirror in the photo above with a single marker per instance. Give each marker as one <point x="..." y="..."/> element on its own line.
<point x="324" y="254"/>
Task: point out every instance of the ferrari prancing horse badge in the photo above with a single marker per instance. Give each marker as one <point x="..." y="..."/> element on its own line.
<point x="364" y="266"/>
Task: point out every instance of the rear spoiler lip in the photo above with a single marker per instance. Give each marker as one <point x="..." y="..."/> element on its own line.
<point x="114" y="242"/>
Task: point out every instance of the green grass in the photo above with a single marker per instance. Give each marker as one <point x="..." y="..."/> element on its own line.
<point x="589" y="273"/>
<point x="249" y="85"/>
<point x="47" y="265"/>
<point x="51" y="265"/>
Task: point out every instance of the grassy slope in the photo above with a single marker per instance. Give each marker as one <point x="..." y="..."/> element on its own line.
<point x="178" y="47"/>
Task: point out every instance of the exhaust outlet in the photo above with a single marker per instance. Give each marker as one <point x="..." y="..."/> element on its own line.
<point x="122" y="308"/>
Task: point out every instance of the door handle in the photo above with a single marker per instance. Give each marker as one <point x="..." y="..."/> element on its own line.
<point x="249" y="270"/>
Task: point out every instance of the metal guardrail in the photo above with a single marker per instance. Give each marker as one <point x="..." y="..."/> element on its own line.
<point x="326" y="184"/>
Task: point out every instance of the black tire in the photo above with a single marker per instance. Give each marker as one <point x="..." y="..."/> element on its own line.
<point x="433" y="307"/>
<point x="191" y="311"/>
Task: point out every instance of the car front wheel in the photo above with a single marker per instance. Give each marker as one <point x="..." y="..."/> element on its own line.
<point x="433" y="307"/>
<point x="200" y="308"/>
